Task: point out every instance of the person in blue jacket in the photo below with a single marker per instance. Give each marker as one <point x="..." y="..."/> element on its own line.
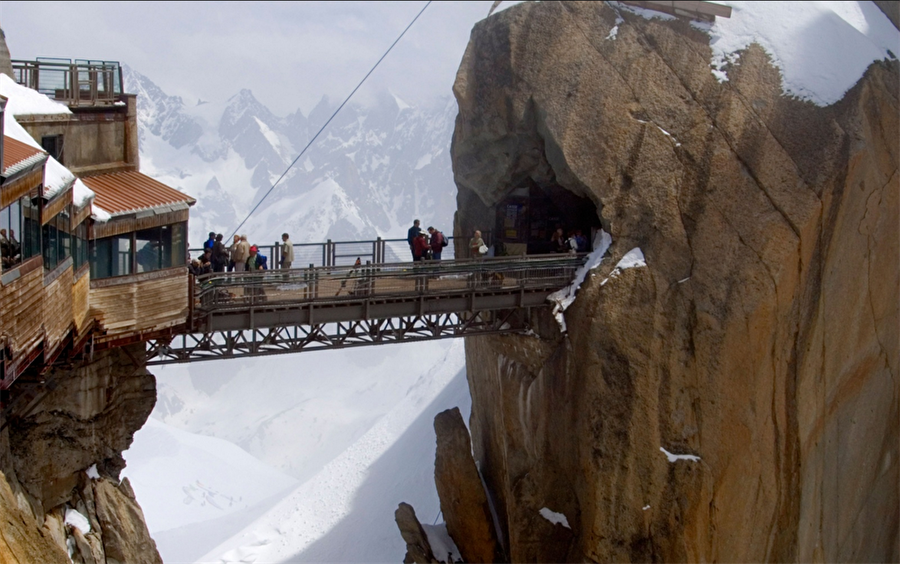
<point x="257" y="260"/>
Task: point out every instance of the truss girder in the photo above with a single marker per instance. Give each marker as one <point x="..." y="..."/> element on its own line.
<point x="283" y="339"/>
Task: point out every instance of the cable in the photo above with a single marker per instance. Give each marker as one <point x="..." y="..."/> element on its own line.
<point x="290" y="166"/>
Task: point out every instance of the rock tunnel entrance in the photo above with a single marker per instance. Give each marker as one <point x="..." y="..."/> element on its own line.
<point x="529" y="219"/>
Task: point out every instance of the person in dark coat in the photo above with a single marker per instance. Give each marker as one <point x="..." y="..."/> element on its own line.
<point x="219" y="255"/>
<point x="209" y="243"/>
<point x="420" y="247"/>
<point x="436" y="241"/>
<point x="411" y="237"/>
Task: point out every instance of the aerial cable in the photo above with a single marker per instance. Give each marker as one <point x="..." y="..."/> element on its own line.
<point x="347" y="99"/>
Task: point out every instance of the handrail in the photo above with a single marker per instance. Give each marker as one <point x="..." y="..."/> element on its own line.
<point x="75" y="83"/>
<point x="332" y="284"/>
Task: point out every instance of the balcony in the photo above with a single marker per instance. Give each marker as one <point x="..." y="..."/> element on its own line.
<point x="76" y="83"/>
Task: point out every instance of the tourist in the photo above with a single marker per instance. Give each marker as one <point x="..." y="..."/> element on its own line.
<point x="477" y="248"/>
<point x="420" y="247"/>
<point x="232" y="264"/>
<point x="411" y="236"/>
<point x="219" y="254"/>
<point x="437" y="242"/>
<point x="287" y="251"/>
<point x="210" y="243"/>
<point x="240" y="253"/>
<point x="205" y="262"/>
<point x="559" y="241"/>
<point x="256" y="260"/>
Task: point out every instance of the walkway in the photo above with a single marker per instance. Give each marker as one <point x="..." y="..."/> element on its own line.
<point x="277" y="312"/>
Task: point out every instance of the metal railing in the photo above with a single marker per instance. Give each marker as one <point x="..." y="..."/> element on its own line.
<point x="218" y="291"/>
<point x="81" y="82"/>
<point x="345" y="253"/>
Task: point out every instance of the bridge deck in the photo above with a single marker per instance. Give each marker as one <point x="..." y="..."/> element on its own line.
<point x="280" y="311"/>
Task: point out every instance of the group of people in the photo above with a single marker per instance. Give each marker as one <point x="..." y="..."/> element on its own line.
<point x="575" y="242"/>
<point x="240" y="256"/>
<point x="10" y="249"/>
<point x="425" y="244"/>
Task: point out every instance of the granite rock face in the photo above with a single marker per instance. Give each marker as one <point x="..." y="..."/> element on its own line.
<point x="761" y="337"/>
<point x="81" y="417"/>
<point x="464" y="503"/>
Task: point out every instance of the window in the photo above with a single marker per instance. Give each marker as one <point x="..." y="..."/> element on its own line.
<point x="153" y="249"/>
<point x="20" y="231"/>
<point x="111" y="256"/>
<point x="57" y="240"/>
<point x="53" y="144"/>
<point x="80" y="245"/>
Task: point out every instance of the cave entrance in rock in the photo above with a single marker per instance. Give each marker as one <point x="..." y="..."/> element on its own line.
<point x="528" y="216"/>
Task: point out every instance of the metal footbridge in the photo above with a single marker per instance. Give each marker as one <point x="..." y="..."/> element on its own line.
<point x="282" y="311"/>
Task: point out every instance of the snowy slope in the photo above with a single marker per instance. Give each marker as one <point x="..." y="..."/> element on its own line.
<point x="345" y="512"/>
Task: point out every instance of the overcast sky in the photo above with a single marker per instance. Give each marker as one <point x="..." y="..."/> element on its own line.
<point x="288" y="54"/>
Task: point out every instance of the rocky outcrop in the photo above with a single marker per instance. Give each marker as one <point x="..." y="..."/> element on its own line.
<point x="464" y="503"/>
<point x="61" y="453"/>
<point x="760" y="342"/>
<point x="418" y="549"/>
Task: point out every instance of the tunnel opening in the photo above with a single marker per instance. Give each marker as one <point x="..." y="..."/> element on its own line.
<point x="529" y="219"/>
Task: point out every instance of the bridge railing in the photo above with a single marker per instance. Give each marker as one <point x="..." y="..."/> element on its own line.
<point x="396" y="280"/>
<point x="345" y="253"/>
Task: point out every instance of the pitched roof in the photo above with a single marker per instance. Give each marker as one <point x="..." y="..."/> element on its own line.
<point x="19" y="156"/>
<point x="128" y="192"/>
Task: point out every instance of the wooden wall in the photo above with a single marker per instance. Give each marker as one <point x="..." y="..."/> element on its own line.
<point x="21" y="308"/>
<point x="58" y="318"/>
<point x="140" y="303"/>
<point x="80" y="302"/>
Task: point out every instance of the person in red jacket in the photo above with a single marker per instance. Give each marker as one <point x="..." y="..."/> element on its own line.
<point x="420" y="247"/>
<point x="437" y="243"/>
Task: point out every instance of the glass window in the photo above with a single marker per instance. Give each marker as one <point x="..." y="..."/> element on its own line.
<point x="148" y="247"/>
<point x="51" y="245"/>
<point x="31" y="227"/>
<point x="179" y="244"/>
<point x="80" y="245"/>
<point x="122" y="247"/>
<point x="111" y="256"/>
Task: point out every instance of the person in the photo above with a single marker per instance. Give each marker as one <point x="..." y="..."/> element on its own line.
<point x="210" y="243"/>
<point x="571" y="243"/>
<point x="219" y="254"/>
<point x="420" y="247"/>
<point x="287" y="251"/>
<point x="194" y="267"/>
<point x="559" y="241"/>
<point x="232" y="264"/>
<point x="411" y="237"/>
<point x="256" y="260"/>
<point x="476" y="244"/>
<point x="240" y="253"/>
<point x="581" y="240"/>
<point x="205" y="262"/>
<point x="437" y="242"/>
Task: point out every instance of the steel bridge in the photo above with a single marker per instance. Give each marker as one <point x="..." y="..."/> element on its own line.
<point x="282" y="311"/>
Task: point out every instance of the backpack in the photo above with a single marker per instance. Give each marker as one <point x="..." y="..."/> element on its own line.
<point x="444" y="242"/>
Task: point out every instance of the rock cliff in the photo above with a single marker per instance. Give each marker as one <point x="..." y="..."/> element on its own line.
<point x="60" y="457"/>
<point x="760" y="342"/>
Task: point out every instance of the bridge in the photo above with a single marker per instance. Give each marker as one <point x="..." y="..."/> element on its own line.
<point x="327" y="307"/>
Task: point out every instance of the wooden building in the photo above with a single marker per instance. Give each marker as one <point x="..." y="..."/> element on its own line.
<point x="93" y="251"/>
<point x="139" y="276"/>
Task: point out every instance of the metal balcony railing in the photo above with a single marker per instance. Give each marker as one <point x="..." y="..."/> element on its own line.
<point x="81" y="82"/>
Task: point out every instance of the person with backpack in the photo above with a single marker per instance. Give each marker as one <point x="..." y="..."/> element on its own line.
<point x="437" y="242"/>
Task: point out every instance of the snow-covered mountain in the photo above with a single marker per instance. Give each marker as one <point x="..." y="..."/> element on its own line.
<point x="370" y="173"/>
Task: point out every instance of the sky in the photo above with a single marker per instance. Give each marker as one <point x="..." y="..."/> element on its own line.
<point x="289" y="54"/>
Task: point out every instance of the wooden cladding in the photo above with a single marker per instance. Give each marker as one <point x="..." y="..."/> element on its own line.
<point x="130" y="223"/>
<point x="57" y="310"/>
<point x="80" y="302"/>
<point x="21" y="310"/>
<point x="56" y="205"/>
<point x="15" y="189"/>
<point x="141" y="303"/>
<point x="80" y="215"/>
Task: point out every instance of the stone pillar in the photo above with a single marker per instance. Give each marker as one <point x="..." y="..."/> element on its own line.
<point x="132" y="145"/>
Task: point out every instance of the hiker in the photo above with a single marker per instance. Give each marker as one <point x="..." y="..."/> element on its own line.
<point x="437" y="242"/>
<point x="232" y="264"/>
<point x="240" y="252"/>
<point x="477" y="248"/>
<point x="287" y="251"/>
<point x="209" y="243"/>
<point x="256" y="260"/>
<point x="420" y="247"/>
<point x="219" y="255"/>
<point x="411" y="237"/>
